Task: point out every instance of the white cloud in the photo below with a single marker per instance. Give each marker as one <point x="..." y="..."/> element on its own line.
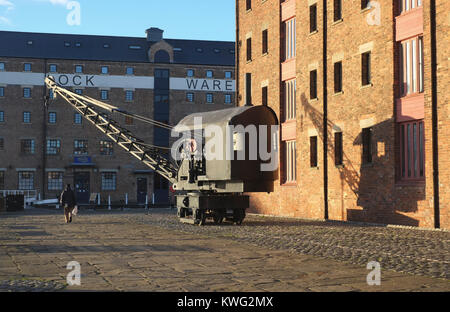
<point x="5" y="21"/>
<point x="6" y="3"/>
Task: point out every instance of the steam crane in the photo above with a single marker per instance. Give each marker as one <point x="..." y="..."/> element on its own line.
<point x="206" y="186"/>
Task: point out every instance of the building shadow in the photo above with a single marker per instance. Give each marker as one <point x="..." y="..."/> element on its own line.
<point x="378" y="198"/>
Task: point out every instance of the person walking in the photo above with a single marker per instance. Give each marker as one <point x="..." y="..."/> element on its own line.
<point x="68" y="201"/>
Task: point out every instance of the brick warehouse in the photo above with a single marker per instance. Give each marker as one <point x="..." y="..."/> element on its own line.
<point x="360" y="91"/>
<point x="163" y="79"/>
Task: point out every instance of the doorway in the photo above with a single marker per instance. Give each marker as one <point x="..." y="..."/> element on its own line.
<point x="82" y="182"/>
<point x="142" y="190"/>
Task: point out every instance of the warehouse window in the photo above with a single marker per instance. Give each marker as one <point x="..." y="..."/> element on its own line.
<point x="264" y="96"/>
<point x="67" y="44"/>
<point x="365" y="68"/>
<point x="291" y="161"/>
<point x="27" y="67"/>
<point x="2" y="144"/>
<point x="78" y="44"/>
<point x="130" y="70"/>
<point x="27" y="147"/>
<point x="104" y="94"/>
<point x="407" y="5"/>
<point x="105" y="70"/>
<point x="26" y="117"/>
<point x="52" y="118"/>
<point x="2" y="91"/>
<point x="228" y="75"/>
<point x="338" y="149"/>
<point x="313" y="18"/>
<point x="2" y="180"/>
<point x="364" y="4"/>
<point x="134" y="47"/>
<point x="290" y="89"/>
<point x="337" y="10"/>
<point x="2" y="66"/>
<point x="53" y="68"/>
<point x="106" y="46"/>
<point x="227" y="98"/>
<point x="79" y="69"/>
<point x="190" y="97"/>
<point x="109" y="181"/>
<point x="265" y="41"/>
<point x="249" y="49"/>
<point x="313" y="84"/>
<point x="190" y="73"/>
<point x="337" y="77"/>
<point x="412" y="150"/>
<point x="26" y="181"/>
<point x="106" y="148"/>
<point x="367" y="146"/>
<point x="313" y="151"/>
<point x="2" y="116"/>
<point x="129" y="95"/>
<point x="55" y="181"/>
<point x="27" y="93"/>
<point x="209" y="74"/>
<point x="79" y="91"/>
<point x="80" y="147"/>
<point x="77" y="119"/>
<point x="290" y="39"/>
<point x="209" y="98"/>
<point x="53" y="147"/>
<point x="412" y="68"/>
<point x="248" y="89"/>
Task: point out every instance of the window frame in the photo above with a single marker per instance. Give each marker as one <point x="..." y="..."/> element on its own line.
<point x="190" y="97"/>
<point x="26" y="117"/>
<point x="53" y="147"/>
<point x="51" y="120"/>
<point x="313" y="18"/>
<point x="338" y="149"/>
<point x="367" y="147"/>
<point x="338" y="73"/>
<point x="412" y="69"/>
<point x="27" y="147"/>
<point x="25" y="184"/>
<point x="111" y="183"/>
<point x="366" y="68"/>
<point x="412" y="151"/>
<point x="106" y="148"/>
<point x="265" y="41"/>
<point x="80" y="149"/>
<point x="55" y="184"/>
<point x="27" y="93"/>
<point x="290" y="158"/>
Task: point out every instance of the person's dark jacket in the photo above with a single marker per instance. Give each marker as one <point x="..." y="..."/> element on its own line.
<point x="68" y="197"/>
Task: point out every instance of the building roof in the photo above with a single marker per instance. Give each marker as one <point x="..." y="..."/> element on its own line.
<point x="112" y="49"/>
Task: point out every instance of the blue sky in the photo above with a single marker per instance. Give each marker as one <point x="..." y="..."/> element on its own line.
<point x="180" y="19"/>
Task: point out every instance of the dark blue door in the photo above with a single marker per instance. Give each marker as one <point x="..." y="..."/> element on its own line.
<point x="82" y="187"/>
<point x="142" y="190"/>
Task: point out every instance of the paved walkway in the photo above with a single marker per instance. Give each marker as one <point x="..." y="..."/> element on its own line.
<point x="132" y="251"/>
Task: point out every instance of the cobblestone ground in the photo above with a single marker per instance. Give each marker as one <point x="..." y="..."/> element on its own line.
<point x="135" y="251"/>
<point x="401" y="249"/>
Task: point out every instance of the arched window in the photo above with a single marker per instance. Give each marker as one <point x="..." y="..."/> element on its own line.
<point x="162" y="57"/>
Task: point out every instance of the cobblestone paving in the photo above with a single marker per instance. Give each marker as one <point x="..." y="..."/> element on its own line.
<point x="135" y="251"/>
<point x="409" y="250"/>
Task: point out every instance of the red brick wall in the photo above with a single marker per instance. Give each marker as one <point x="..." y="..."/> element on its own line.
<point x="357" y="192"/>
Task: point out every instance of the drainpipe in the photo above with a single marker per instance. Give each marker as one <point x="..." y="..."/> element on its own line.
<point x="44" y="131"/>
<point x="434" y="111"/>
<point x="325" y="112"/>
